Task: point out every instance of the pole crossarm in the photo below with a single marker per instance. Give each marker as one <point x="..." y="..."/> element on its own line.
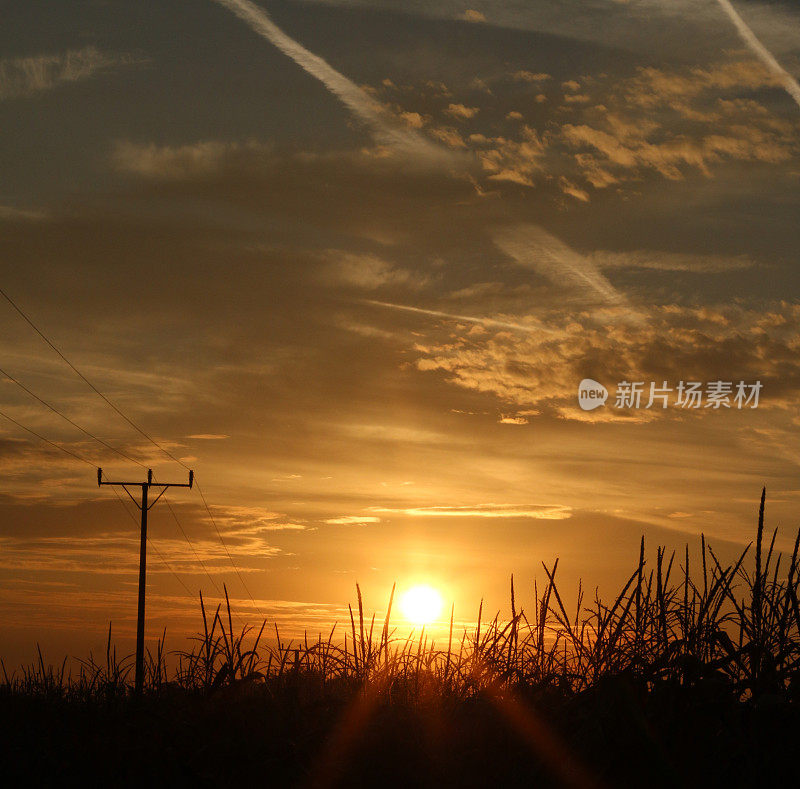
<point x="150" y="483"/>
<point x="145" y="508"/>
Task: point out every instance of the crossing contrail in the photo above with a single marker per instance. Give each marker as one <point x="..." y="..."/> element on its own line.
<point x="466" y="318"/>
<point x="535" y="248"/>
<point x="789" y="83"/>
<point x="386" y="130"/>
<point x="528" y="245"/>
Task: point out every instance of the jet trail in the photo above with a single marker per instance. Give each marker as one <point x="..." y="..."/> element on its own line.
<point x="386" y="130"/>
<point x="789" y="83"/>
<point x="533" y="247"/>
<point x="467" y="318"/>
<point x="527" y="244"/>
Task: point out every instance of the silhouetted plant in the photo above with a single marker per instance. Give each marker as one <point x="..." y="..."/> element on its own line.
<point x="728" y="627"/>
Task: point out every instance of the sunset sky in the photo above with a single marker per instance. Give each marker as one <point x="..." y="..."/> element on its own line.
<point x="349" y="261"/>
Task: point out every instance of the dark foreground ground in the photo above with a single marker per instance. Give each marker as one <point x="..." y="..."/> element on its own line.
<point x="298" y="735"/>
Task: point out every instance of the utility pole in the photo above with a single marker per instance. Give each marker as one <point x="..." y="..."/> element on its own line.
<point x="144" y="507"/>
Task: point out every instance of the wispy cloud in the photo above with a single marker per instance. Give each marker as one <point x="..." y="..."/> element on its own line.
<point x="670" y="261"/>
<point x="461" y="111"/>
<point x="533" y="247"/>
<point x="119" y="556"/>
<point x="196" y="160"/>
<point x="353" y="520"/>
<point x="386" y="129"/>
<point x="513" y="420"/>
<point x="38" y="73"/>
<point x="537" y="511"/>
<point x="367" y="271"/>
<point x="13" y="214"/>
<point x="789" y="83"/>
<point x="470" y="15"/>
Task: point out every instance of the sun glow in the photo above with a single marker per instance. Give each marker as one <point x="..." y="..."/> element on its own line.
<point x="421" y="604"/>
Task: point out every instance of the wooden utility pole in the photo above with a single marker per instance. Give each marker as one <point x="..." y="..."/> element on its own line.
<point x="144" y="507"/>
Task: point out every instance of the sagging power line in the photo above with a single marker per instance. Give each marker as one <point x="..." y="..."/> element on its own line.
<point x="63" y="416"/>
<point x="86" y="380"/>
<point x="139" y="430"/>
<point x="108" y="446"/>
<point x="82" y="459"/>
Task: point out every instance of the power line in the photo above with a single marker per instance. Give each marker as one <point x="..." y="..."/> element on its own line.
<point x="67" y="419"/>
<point x="152" y="544"/>
<point x="85" y="379"/>
<point x="89" y="463"/>
<point x="191" y="545"/>
<point x="161" y="556"/>
<point x="113" y="449"/>
<point x="47" y="440"/>
<point x="224" y="545"/>
<point x="138" y="430"/>
<point x="167" y="565"/>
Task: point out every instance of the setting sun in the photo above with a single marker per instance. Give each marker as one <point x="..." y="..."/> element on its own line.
<point x="421" y="605"/>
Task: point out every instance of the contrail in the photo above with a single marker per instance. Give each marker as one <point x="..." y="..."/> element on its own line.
<point x="533" y="247"/>
<point x="386" y="130"/>
<point x="527" y="244"/>
<point x="761" y="52"/>
<point x="467" y="318"/>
